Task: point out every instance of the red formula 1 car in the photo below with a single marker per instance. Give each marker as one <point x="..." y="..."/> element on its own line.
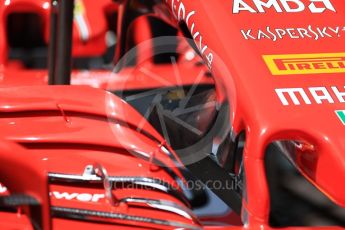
<point x="238" y="123"/>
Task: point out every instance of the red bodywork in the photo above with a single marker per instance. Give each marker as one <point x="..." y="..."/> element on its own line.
<point x="131" y="78"/>
<point x="93" y="44"/>
<point x="66" y="128"/>
<point x="239" y="66"/>
<point x="70" y="144"/>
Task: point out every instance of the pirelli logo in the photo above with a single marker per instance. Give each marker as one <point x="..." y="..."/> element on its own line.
<point x="293" y="64"/>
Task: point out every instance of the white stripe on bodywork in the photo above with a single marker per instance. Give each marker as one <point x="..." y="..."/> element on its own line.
<point x="83" y="27"/>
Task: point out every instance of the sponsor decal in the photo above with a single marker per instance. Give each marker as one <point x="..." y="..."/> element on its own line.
<point x="311" y="95"/>
<point x="182" y="14"/>
<point x="293" y="64"/>
<point x="309" y="32"/>
<point x="281" y="6"/>
<point x="83" y="197"/>
<point x="341" y="115"/>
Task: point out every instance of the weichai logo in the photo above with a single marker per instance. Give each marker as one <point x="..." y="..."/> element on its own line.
<point x="293" y="64"/>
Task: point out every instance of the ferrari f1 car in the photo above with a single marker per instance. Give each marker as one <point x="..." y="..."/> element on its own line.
<point x="217" y="114"/>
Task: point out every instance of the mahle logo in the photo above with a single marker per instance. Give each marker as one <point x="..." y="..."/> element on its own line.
<point x="280" y="6"/>
<point x="294" y="64"/>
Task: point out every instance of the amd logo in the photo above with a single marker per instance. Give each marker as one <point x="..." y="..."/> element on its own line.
<point x="280" y="6"/>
